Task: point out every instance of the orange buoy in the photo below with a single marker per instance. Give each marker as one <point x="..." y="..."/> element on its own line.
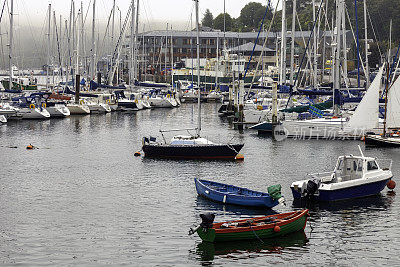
<point x="239" y="157"/>
<point x="363" y="138"/>
<point x="137" y="154"/>
<point x="277" y="229"/>
<point x="391" y="184"/>
<point x="29" y="146"/>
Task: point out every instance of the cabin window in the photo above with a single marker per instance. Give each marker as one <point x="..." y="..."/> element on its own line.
<point x="371" y="165"/>
<point x="360" y="165"/>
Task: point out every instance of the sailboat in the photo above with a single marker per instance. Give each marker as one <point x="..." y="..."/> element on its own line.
<point x="391" y="125"/>
<point x="191" y="146"/>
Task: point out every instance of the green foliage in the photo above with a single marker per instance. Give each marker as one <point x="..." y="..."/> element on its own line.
<point x="208" y="19"/>
<point x="219" y="22"/>
<point x="251" y="16"/>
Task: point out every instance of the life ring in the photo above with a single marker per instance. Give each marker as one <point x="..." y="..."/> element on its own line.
<point x="168" y="96"/>
<point x="81" y="102"/>
<point x="44" y="105"/>
<point x="136" y="101"/>
<point x="32" y="106"/>
<point x="108" y="101"/>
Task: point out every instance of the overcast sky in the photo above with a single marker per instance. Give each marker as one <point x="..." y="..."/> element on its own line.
<point x="176" y="12"/>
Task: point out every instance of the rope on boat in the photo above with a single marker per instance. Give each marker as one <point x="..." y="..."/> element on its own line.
<point x="231" y="147"/>
<point x="255" y="232"/>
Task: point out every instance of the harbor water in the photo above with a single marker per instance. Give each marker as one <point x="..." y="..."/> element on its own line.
<point x="82" y="198"/>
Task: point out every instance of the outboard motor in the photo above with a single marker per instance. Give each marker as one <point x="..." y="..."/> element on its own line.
<point x="207" y="221"/>
<point x="312" y="187"/>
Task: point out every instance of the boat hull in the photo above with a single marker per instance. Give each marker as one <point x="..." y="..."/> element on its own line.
<point x="358" y="191"/>
<point x="228" y="152"/>
<point x="378" y="140"/>
<point x="297" y="223"/>
<point x="233" y="195"/>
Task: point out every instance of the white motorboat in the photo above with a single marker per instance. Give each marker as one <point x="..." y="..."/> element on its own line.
<point x="58" y="110"/>
<point x="3" y="119"/>
<point x="34" y="113"/>
<point x="78" y="109"/>
<point x="353" y="177"/>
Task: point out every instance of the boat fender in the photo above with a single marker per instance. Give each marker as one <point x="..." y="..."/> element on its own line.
<point x="391" y="184"/>
<point x="224" y="200"/>
<point x="277" y="229"/>
<point x="207" y="192"/>
<point x="207" y="220"/>
<point x="32" y="106"/>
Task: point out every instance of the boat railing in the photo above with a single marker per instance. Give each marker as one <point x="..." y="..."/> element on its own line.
<point x="385" y="164"/>
<point x="319" y="175"/>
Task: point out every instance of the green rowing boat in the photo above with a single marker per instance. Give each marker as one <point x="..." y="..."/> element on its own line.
<point x="254" y="228"/>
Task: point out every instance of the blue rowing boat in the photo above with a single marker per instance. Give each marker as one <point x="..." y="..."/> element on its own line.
<point x="230" y="194"/>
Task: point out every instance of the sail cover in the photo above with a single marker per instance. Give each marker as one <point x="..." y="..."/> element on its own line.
<point x="366" y="115"/>
<point x="393" y="106"/>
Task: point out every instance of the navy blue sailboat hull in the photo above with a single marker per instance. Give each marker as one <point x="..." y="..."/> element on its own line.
<point x="192" y="151"/>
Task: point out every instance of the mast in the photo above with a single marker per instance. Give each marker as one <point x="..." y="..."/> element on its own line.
<point x="136" y="38"/>
<point x="10" y="84"/>
<point x="172" y="59"/>
<point x="165" y="54"/>
<point x="315" y="59"/>
<point x="131" y="46"/>
<point x="344" y="41"/>
<point x="93" y="63"/>
<point x="198" y="67"/>
<point x="366" y="45"/>
<point x="283" y="45"/>
<point x="292" y="44"/>
<point x="48" y="48"/>
<point x="337" y="54"/>
<point x="217" y="64"/>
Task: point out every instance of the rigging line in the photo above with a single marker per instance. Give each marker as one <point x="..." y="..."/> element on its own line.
<point x="354" y="37"/>
<point x="2" y="10"/>
<point x="308" y="43"/>
<point x="265" y="42"/>
<point x="375" y="35"/>
<point x="258" y="35"/>
<point x="144" y="3"/>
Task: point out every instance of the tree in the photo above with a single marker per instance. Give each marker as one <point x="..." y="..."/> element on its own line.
<point x="219" y="22"/>
<point x="251" y="16"/>
<point x="208" y="19"/>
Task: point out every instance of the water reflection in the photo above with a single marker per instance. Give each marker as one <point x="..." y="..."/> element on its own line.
<point x="206" y="251"/>
<point x="378" y="202"/>
<point x="205" y="205"/>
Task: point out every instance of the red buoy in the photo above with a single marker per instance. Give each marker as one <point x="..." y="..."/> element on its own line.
<point x="239" y="157"/>
<point x="137" y="154"/>
<point x="391" y="184"/>
<point x="29" y="146"/>
<point x="277" y="229"/>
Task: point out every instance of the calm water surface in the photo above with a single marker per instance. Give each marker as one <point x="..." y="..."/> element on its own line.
<point x="82" y="198"/>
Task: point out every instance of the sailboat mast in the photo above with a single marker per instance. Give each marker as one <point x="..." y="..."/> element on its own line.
<point x="366" y="45"/>
<point x="283" y="45"/>
<point x="131" y="45"/>
<point x="10" y="84"/>
<point x="93" y="64"/>
<point x="136" y="38"/>
<point x="48" y="48"/>
<point x="198" y="67"/>
<point x="386" y="100"/>
<point x="336" y="87"/>
<point x="292" y="44"/>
